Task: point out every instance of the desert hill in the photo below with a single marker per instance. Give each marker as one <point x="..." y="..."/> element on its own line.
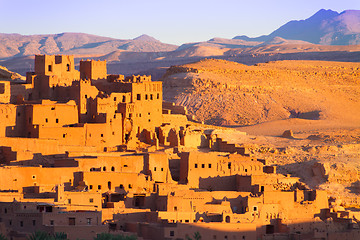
<point x="325" y="27"/>
<point x="228" y="93"/>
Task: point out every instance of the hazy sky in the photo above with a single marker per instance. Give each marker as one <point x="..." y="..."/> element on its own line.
<point x="169" y="21"/>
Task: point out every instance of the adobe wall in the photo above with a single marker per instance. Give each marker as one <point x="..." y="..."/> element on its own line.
<point x="93" y="70"/>
<point x="24" y="148"/>
<point x="114" y="181"/>
<point x="15" y="178"/>
<point x="196" y="164"/>
<point x="157" y="166"/>
<point x="126" y="163"/>
<point x="5" y="92"/>
<point x="60" y="65"/>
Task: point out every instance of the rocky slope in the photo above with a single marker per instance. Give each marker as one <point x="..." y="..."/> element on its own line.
<point x="5" y="74"/>
<point x="227" y="93"/>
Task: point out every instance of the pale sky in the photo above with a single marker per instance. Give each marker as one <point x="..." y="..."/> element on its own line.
<point x="169" y="21"/>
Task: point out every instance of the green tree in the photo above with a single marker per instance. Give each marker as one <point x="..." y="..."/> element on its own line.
<point x="2" y="237"/>
<point x="108" y="236"/>
<point x="196" y="236"/>
<point x="40" y="235"/>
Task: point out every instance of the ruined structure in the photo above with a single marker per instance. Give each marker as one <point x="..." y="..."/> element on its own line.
<point x="84" y="152"/>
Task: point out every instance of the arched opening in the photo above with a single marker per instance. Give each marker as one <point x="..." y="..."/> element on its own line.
<point x="113" y="169"/>
<point x="109" y="185"/>
<point x="227" y="219"/>
<point x="68" y="67"/>
<point x="104" y="169"/>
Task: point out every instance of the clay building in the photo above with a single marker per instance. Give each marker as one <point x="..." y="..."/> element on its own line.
<point x="84" y="152"/>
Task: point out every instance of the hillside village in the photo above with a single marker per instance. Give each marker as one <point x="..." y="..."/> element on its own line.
<point x="85" y="152"/>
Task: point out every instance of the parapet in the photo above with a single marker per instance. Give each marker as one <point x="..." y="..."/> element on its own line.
<point x="138" y="78"/>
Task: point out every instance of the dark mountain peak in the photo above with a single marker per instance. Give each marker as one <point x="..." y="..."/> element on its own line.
<point x="145" y="38"/>
<point x="323" y="14"/>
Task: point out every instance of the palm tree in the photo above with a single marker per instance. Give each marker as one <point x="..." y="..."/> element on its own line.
<point x="2" y="237"/>
<point x="39" y="235"/>
<point x="197" y="236"/>
<point x="108" y="236"/>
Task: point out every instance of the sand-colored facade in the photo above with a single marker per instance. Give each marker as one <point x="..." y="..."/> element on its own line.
<point x="84" y="152"/>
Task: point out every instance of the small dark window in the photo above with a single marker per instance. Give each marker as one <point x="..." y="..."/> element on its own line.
<point x="50" y="68"/>
<point x="64" y="135"/>
<point x="229" y="165"/>
<point x="68" y="67"/>
<point x="172" y="233"/>
<point x="130" y="115"/>
<point x="130" y="186"/>
<point x="69" y="201"/>
<point x="155" y="169"/>
<point x="46" y="120"/>
<point x="195" y="165"/>
<point x="104" y="169"/>
<point x="123" y="99"/>
<point x="102" y="135"/>
<point x="5" y="210"/>
<point x="34" y="222"/>
<point x="99" y="187"/>
<point x="187" y="220"/>
<point x="114" y="98"/>
<point x="151" y="97"/>
<point x="18" y="114"/>
<point x="113" y="169"/>
<point x="91" y="200"/>
<point x="202" y="165"/>
<point x="71" y="221"/>
<point x="21" y="223"/>
<point x="158" y="96"/>
<point x="209" y="165"/>
<point x="85" y="96"/>
<point x="57" y="120"/>
<point x="146" y="97"/>
<point x="10" y="222"/>
<point x="121" y="186"/>
<point x="245" y="170"/>
<point x="51" y="222"/>
<point x="109" y="185"/>
<point x="175" y="208"/>
<point x="162" y="169"/>
<point x="255" y="208"/>
<point x="91" y="186"/>
<point x="138" y="96"/>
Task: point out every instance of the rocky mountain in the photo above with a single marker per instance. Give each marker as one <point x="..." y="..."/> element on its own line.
<point x="325" y="27"/>
<point x="16" y="45"/>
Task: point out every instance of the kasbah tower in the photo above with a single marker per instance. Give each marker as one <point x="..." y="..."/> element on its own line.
<point x="84" y="153"/>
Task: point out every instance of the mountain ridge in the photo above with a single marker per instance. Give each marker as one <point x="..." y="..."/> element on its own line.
<point x="15" y="45"/>
<point x="325" y="27"/>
